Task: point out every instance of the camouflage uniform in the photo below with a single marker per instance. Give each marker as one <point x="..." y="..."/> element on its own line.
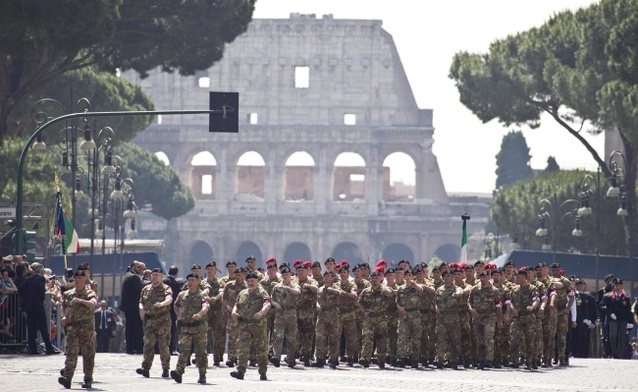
<point x="375" y="326"/>
<point x="252" y="332"/>
<point x="306" y="309"/>
<point x="410" y="325"/>
<point x="216" y="328"/>
<point x="328" y="324"/>
<point x="549" y="319"/>
<point x="393" y="325"/>
<point x="486" y="301"/>
<point x="347" y="318"/>
<point x="465" y="326"/>
<point x="191" y="332"/>
<point x="538" y="323"/>
<point x="157" y="324"/>
<point x="361" y="285"/>
<point x="285" y="321"/>
<point x="562" y="319"/>
<point x="447" y="328"/>
<point x="80" y="333"/>
<point x="268" y="284"/>
<point x="231" y="291"/>
<point x="522" y="325"/>
<point x="502" y="333"/>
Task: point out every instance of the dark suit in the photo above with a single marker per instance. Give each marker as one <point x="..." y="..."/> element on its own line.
<point x="134" y="332"/>
<point x="104" y="327"/>
<point x="32" y="294"/>
<point x="585" y="310"/>
<point x="176" y="287"/>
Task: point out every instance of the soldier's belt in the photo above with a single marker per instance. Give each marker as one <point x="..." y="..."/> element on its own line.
<point x="192" y="323"/>
<point x="78" y="323"/>
<point x="156" y="316"/>
<point x="333" y="309"/>
<point x="412" y="309"/>
<point x="425" y="311"/>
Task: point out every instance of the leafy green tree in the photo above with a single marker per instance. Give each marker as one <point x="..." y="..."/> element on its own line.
<point x="40" y="41"/>
<point x="516" y="209"/>
<point x="512" y="161"/>
<point x="552" y="165"/>
<point x="579" y="68"/>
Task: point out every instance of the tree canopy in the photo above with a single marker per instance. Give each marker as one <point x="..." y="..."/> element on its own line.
<point x="580" y="68"/>
<point x="39" y="41"/>
<point x="512" y="161"/>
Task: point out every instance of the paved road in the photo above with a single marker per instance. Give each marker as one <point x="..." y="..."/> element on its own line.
<point x="116" y="372"/>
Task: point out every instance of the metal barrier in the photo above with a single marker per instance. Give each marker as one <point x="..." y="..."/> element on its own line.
<point x="13" y="323"/>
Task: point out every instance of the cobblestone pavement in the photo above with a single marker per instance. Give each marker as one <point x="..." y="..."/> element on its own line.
<point x="116" y="372"/>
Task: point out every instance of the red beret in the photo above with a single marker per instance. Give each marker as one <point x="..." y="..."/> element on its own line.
<point x="297" y="263"/>
<point x="490" y="266"/>
<point x="562" y="272"/>
<point x="453" y="265"/>
<point x="343" y="262"/>
<point x="379" y="269"/>
<point x="382" y="262"/>
<point x="462" y="266"/>
<point x="271" y="260"/>
<point x="308" y="264"/>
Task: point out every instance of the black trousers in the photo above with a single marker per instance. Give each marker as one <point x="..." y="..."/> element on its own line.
<point x="134" y="333"/>
<point x="37" y="322"/>
<point x="103" y="339"/>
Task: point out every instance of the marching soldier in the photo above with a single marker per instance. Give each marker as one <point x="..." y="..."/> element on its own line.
<point x="428" y="320"/>
<point x="485" y="306"/>
<point x="216" y="328"/>
<point x="447" y="304"/>
<point x="467" y="336"/>
<point x="347" y="313"/>
<point x="373" y="305"/>
<point x="268" y="283"/>
<point x="191" y="307"/>
<point x="231" y="292"/>
<point x="306" y="306"/>
<point x="409" y="328"/>
<point x="253" y="303"/>
<point x="393" y="316"/>
<point x="564" y="300"/>
<point x="284" y="300"/>
<point x="501" y="334"/>
<point x="361" y="284"/>
<point x="78" y="305"/>
<point x="155" y="301"/>
<point x="522" y="301"/>
<point x="328" y="321"/>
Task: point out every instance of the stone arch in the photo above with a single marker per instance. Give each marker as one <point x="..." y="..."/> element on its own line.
<point x="297" y="250"/>
<point x="201" y="253"/>
<point x="299" y="177"/>
<point x="203" y="172"/>
<point x="399" y="178"/>
<point x="246" y="249"/>
<point x="448" y="252"/>
<point x="161" y="155"/>
<point x="250" y="177"/>
<point x="398" y="251"/>
<point x="348" y="251"/>
<point x="349" y="177"/>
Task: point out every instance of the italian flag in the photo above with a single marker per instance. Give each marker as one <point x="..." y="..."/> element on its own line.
<point x="71" y="240"/>
<point x="463" y="258"/>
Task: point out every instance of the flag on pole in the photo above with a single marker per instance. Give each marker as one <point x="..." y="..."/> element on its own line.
<point x="64" y="228"/>
<point x="463" y="258"/>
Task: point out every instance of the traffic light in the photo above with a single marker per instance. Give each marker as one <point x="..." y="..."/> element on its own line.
<point x="28" y="243"/>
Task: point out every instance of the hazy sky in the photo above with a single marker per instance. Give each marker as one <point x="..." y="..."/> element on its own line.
<point x="427" y="34"/>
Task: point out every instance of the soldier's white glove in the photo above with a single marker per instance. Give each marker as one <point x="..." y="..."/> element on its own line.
<point x="630" y="326"/>
<point x="612" y="316"/>
<point x="587" y="322"/>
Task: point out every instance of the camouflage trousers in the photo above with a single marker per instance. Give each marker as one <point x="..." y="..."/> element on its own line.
<point x="305" y="336"/>
<point x="428" y="335"/>
<point x="468" y="352"/>
<point x="501" y="341"/>
<point x="359" y="330"/>
<point x="448" y="339"/>
<point x="348" y="327"/>
<point x="327" y="325"/>
<point x="80" y="338"/>
<point x="233" y="335"/>
<point x="484" y="330"/>
<point x="157" y="330"/>
<point x="393" y="328"/>
<point x="252" y="334"/>
<point x="562" y="324"/>
<point x="285" y="327"/>
<point x="549" y="332"/>
<point x="192" y="337"/>
<point x="216" y="333"/>
<point x="409" y="339"/>
<point x="374" y="330"/>
<point x="538" y="338"/>
<point x="522" y="331"/>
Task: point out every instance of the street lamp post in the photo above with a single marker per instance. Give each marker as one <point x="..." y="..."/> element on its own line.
<point x="553" y="211"/>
